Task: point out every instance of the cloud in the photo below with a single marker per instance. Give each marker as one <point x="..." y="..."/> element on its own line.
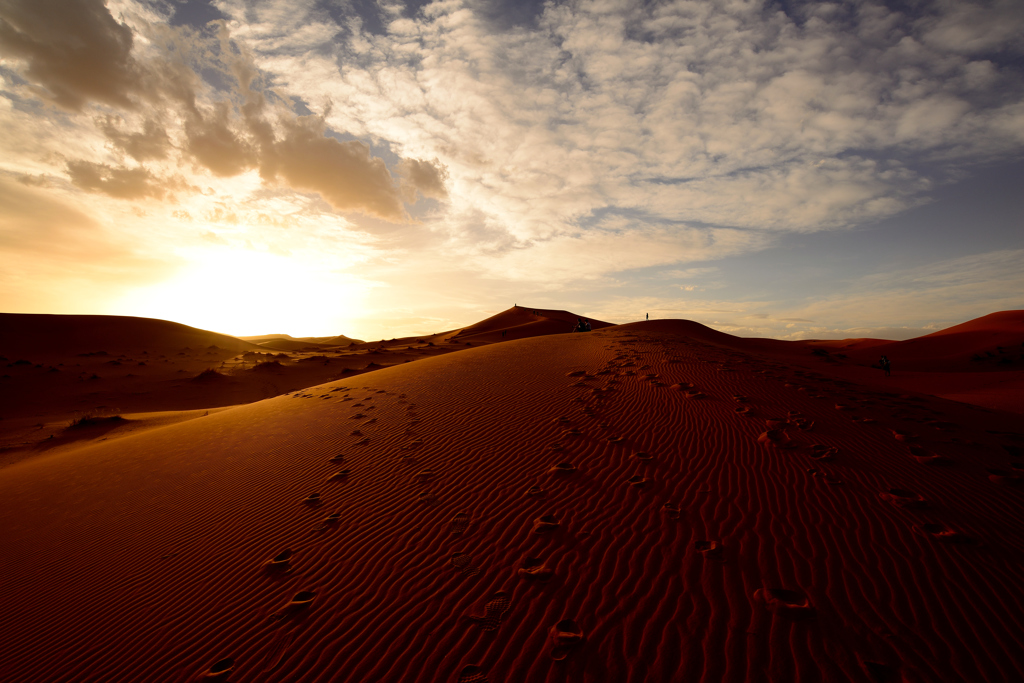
<point x="122" y="183"/>
<point x="424" y="176"/>
<point x="75" y="50"/>
<point x="724" y="113"/>
<point x="192" y="95"/>
<point x="975" y="27"/>
<point x="151" y="143"/>
<point x="211" y="142"/>
<point x="343" y="173"/>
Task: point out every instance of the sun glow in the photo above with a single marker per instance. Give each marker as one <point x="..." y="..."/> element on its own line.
<point x="246" y="292"/>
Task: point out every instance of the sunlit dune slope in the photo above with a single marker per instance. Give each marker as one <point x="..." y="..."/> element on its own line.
<point x="23" y="333"/>
<point x="277" y="339"/>
<point x="633" y="504"/>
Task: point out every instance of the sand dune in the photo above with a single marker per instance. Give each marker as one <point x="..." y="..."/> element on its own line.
<point x="992" y="342"/>
<point x="519" y="322"/>
<point x="640" y="503"/>
<point x="64" y="368"/>
<point x="65" y="334"/>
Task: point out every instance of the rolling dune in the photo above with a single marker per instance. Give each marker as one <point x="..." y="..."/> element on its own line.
<point x="641" y="503"/>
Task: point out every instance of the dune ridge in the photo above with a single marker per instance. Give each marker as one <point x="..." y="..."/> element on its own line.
<point x="678" y="545"/>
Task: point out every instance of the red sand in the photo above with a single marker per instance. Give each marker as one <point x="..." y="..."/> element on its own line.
<point x="648" y="502"/>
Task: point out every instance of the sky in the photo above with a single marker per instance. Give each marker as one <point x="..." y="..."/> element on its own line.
<point x="384" y="168"/>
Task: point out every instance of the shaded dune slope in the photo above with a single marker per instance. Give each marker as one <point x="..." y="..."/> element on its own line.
<point x="25" y="333"/>
<point x="953" y="348"/>
<point x="634" y="504"/>
<point x="519" y="323"/>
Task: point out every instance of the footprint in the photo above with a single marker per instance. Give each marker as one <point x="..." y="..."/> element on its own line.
<point x="693" y="395"/>
<point x="637" y="481"/>
<point x="943" y="533"/>
<point x="362" y="442"/>
<point x="534" y="569"/>
<point x="802" y="424"/>
<point x="903" y="498"/>
<point x="545" y="524"/>
<point x="1001" y="476"/>
<point x="471" y="673"/>
<point x="461" y="562"/>
<point x="708" y="548"/>
<point x="221" y="669"/>
<point x="566" y="635"/>
<point x="535" y="492"/>
<point x="614" y="439"/>
<point x="641" y="455"/>
<point x="823" y="453"/>
<point x="739" y="398"/>
<point x="302" y="601"/>
<point x="671" y="510"/>
<point x="903" y="436"/>
<point x="340" y="475"/>
<point x="459" y="523"/>
<point x="743" y="410"/>
<point x="312" y="499"/>
<point x="427" y="498"/>
<point x="337" y="458"/>
<point x="775" y="437"/>
<point x="881" y="673"/>
<point x="494" y="610"/>
<point x="280" y="562"/>
<point x="563" y="468"/>
<point x="926" y="457"/>
<point x="785" y="602"/>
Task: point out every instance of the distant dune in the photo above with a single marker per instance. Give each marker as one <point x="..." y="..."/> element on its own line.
<point x="519" y="322"/>
<point x="284" y="340"/>
<point x="654" y="502"/>
<point x="22" y="333"/>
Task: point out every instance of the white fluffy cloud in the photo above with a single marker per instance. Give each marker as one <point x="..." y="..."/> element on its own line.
<point x="713" y="113"/>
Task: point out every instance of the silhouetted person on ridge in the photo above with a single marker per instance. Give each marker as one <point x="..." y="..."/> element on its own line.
<point x="885" y="366"/>
<point x="648" y="316"/>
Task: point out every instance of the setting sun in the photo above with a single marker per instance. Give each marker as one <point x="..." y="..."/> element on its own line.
<point x="245" y="292"/>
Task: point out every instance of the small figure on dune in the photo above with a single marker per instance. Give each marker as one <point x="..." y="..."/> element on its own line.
<point x="885" y="365"/>
<point x="587" y="322"/>
<point x="648" y="316"/>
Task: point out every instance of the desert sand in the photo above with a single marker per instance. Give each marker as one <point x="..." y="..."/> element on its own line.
<point x="654" y="501"/>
